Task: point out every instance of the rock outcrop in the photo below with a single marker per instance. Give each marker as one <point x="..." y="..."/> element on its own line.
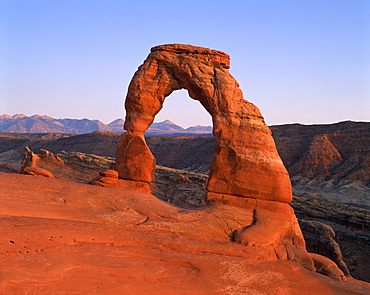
<point x="246" y="169"/>
<point x="180" y="188"/>
<point x="327" y="267"/>
<point x="134" y="161"/>
<point x="352" y="233"/>
<point x="48" y="156"/>
<point x="107" y="177"/>
<point x="245" y="161"/>
<point x="86" y="161"/>
<point x="29" y="164"/>
<point x="319" y="238"/>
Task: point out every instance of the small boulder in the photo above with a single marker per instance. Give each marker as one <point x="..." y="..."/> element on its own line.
<point x="104" y="181"/>
<point x="109" y="173"/>
<point x="327" y="267"/>
<point x="37" y="171"/>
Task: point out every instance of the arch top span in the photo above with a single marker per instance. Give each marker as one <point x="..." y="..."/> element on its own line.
<point x="245" y="161"/>
<point x="201" y="71"/>
<point x="217" y="57"/>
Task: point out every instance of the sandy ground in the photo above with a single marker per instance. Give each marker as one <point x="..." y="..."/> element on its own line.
<point x="63" y="237"/>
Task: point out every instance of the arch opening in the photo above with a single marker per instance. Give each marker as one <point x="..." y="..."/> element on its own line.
<point x="188" y="149"/>
<point x="184" y="111"/>
<point x="183" y="156"/>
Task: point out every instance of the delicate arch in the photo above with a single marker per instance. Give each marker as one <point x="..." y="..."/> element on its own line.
<point x="245" y="160"/>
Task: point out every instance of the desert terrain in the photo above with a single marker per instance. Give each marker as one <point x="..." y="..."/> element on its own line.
<point x="63" y="236"/>
<point x="87" y="223"/>
<point x="338" y="202"/>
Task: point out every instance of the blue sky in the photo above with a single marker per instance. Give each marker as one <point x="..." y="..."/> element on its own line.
<point x="305" y="61"/>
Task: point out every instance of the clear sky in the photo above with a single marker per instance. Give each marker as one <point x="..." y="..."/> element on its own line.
<point x="305" y="61"/>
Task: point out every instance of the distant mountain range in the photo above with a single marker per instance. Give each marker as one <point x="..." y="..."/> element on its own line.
<point x="44" y="124"/>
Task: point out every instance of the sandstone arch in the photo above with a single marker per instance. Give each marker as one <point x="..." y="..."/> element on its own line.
<point x="245" y="161"/>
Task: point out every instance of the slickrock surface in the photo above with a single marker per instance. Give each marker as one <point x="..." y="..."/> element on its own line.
<point x="245" y="160"/>
<point x="187" y="190"/>
<point x="63" y="237"/>
<point x="351" y="224"/>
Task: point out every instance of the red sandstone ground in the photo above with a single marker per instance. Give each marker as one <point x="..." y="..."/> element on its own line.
<point x="64" y="237"/>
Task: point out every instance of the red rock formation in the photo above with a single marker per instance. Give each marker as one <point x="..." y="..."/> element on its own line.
<point x="107" y="177"/>
<point x="272" y="224"/>
<point x="320" y="238"/>
<point x="29" y="165"/>
<point x="327" y="267"/>
<point x="245" y="162"/>
<point x="109" y="173"/>
<point x="246" y="170"/>
<point x="134" y="161"/>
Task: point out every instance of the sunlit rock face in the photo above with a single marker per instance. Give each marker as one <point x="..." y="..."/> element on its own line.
<point x="134" y="160"/>
<point x="246" y="170"/>
<point x="29" y="164"/>
<point x="245" y="161"/>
